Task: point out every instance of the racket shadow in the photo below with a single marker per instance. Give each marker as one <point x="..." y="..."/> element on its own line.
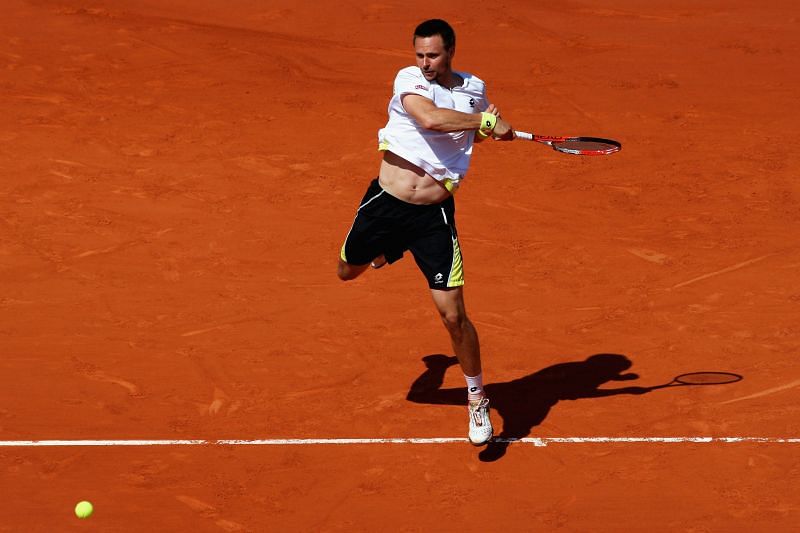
<point x="525" y="402"/>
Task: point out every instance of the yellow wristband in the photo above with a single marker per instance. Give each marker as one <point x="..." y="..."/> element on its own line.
<point x="488" y="122"/>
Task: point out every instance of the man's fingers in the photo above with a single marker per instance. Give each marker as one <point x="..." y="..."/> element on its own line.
<point x="493" y="110"/>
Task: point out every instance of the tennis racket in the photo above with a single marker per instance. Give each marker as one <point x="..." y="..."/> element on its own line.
<point x="574" y="145"/>
<point x="701" y="378"/>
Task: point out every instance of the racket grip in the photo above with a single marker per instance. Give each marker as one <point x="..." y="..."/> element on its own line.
<point x="523" y="135"/>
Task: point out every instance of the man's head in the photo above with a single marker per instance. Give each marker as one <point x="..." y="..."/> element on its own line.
<point x="439" y="27"/>
<point x="435" y="46"/>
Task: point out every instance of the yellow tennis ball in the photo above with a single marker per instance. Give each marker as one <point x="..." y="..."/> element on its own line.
<point x="84" y="509"/>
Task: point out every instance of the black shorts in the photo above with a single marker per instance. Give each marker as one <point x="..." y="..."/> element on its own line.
<point x="389" y="226"/>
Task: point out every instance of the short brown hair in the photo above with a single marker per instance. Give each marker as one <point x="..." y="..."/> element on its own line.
<point x="432" y="27"/>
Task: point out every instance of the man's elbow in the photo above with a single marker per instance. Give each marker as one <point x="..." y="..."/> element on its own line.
<point x="429" y="122"/>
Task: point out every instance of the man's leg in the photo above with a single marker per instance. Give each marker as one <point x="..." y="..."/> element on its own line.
<point x="464" y="337"/>
<point x="346" y="271"/>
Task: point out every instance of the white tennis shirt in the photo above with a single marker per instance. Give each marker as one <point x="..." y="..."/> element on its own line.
<point x="445" y="156"/>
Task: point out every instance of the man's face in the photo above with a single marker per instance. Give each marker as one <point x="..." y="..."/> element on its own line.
<point x="432" y="57"/>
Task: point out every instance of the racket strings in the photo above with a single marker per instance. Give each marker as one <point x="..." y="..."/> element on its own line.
<point x="587" y="146"/>
<point x="591" y="146"/>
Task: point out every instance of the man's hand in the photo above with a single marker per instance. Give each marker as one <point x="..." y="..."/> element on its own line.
<point x="502" y="130"/>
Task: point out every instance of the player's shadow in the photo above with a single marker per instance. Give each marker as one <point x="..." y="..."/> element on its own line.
<point x="525" y="402"/>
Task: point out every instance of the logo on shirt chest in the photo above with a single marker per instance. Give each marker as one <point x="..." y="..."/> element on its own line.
<point x="455" y="99"/>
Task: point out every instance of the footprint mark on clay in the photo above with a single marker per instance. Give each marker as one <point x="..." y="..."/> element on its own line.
<point x="170" y="270"/>
<point x="90" y="371"/>
<point x="259" y="164"/>
<point x="99" y="375"/>
<point x="207" y="510"/>
<point x="649" y="255"/>
<point x="219" y="401"/>
<point x="213" y="373"/>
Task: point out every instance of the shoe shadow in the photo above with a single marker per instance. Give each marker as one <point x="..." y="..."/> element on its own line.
<point x="525" y="402"/>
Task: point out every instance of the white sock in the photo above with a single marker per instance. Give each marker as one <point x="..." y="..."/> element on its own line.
<point x="474" y="386"/>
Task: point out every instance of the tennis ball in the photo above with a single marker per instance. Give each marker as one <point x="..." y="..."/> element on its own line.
<point x="84" y="509"/>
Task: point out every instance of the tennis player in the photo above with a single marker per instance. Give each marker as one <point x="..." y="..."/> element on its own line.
<point x="435" y="116"/>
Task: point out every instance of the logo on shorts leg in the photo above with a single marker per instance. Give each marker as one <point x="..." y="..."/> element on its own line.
<point x="438" y="278"/>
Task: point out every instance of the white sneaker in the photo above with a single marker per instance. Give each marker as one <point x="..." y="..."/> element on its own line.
<point x="480" y="427"/>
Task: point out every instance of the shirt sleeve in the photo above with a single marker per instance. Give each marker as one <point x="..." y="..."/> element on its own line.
<point x="407" y="82"/>
<point x="483" y="103"/>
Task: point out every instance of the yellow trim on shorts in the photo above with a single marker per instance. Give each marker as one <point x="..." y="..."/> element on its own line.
<point x="341" y="254"/>
<point x="457" y="270"/>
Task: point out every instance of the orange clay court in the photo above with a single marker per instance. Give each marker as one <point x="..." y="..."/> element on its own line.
<point x="176" y="182"/>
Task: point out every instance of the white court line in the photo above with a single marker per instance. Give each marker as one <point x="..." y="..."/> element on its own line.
<point x="536" y="441"/>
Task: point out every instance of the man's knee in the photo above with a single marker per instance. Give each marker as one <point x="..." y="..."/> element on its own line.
<point x="341" y="272"/>
<point x="454" y="320"/>
<point x="346" y="271"/>
<point x="450" y="305"/>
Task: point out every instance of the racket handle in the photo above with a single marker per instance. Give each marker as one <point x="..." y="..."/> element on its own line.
<point x="523" y="135"/>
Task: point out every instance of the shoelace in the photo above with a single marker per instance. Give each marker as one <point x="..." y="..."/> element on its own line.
<point x="477" y="412"/>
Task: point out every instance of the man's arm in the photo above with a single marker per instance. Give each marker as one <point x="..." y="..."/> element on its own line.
<point x="435" y="118"/>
